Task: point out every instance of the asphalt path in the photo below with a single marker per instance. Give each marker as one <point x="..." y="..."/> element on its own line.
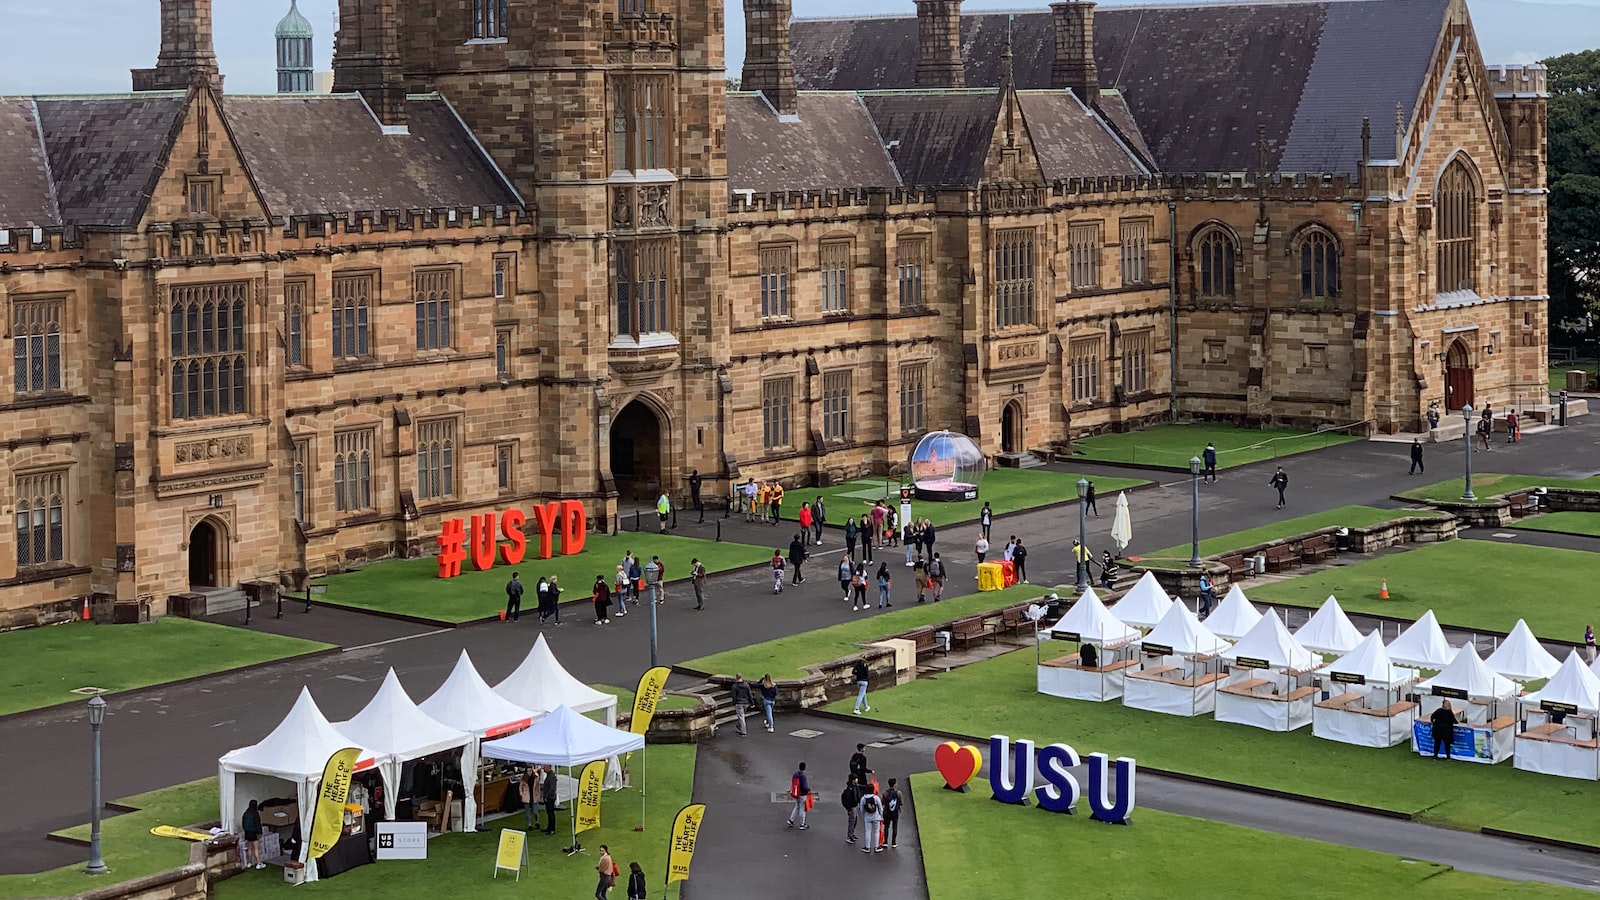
<point x="173" y="734"/>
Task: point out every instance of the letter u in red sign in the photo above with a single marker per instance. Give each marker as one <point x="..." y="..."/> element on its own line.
<point x="483" y="541"/>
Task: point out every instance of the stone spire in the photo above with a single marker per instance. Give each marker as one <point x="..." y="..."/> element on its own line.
<point x="293" y="38"/>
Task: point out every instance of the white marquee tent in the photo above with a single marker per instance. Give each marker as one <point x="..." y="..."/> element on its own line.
<point x="1184" y="680"/>
<point x="392" y="726"/>
<point x="1263" y="688"/>
<point x="292" y="757"/>
<point x="1520" y="657"/>
<point x="1560" y="735"/>
<point x="1364" y="706"/>
<point x="1478" y="693"/>
<point x="1144" y="604"/>
<point x="1088" y="622"/>
<point x="1328" y="630"/>
<point x="1234" y="616"/>
<point x="467" y="703"/>
<point x="1422" y="644"/>
<point x="541" y="685"/>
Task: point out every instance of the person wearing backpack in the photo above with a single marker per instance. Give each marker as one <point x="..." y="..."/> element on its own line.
<point x="637" y="889"/>
<point x="777" y="571"/>
<point x="799" y="791"/>
<point x="861" y="674"/>
<point x="872" y="819"/>
<point x="884" y="584"/>
<point x="636" y="581"/>
<point x="858" y="587"/>
<point x="891" y="814"/>
<point x="850" y="799"/>
<point x="858" y="763"/>
<point x="936" y="577"/>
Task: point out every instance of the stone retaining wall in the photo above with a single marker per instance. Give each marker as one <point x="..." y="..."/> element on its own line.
<point x="679" y="726"/>
<point x="209" y="862"/>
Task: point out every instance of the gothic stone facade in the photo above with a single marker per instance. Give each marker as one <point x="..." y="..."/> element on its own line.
<point x="535" y="250"/>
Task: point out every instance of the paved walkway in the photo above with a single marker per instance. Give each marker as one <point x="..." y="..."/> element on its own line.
<point x="167" y="735"/>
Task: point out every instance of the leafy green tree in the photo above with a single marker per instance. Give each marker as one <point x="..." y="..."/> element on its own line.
<point x="1574" y="142"/>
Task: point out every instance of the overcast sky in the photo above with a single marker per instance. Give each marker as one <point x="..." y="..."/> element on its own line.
<point x="89" y="46"/>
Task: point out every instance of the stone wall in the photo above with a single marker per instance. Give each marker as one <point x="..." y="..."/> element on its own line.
<point x="209" y="862"/>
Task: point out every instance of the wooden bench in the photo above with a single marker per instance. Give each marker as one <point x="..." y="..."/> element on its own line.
<point x="926" y="643"/>
<point x="1280" y="556"/>
<point x="1521" y="503"/>
<point x="1014" y="620"/>
<point x="1318" y="548"/>
<point x="1238" y="567"/>
<point x="970" y="629"/>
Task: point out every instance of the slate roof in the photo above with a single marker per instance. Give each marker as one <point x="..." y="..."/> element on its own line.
<point x="943" y="135"/>
<point x="1070" y="141"/>
<point x="26" y="196"/>
<point x="327" y="154"/>
<point x="832" y="144"/>
<point x="1202" y="82"/>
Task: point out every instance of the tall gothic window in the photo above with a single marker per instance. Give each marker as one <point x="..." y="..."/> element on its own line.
<point x="1457" y="232"/>
<point x="1214" y="261"/>
<point x="640" y="116"/>
<point x="776" y="262"/>
<point x="352" y="313"/>
<point x="641" y="282"/>
<point x="1135" y="239"/>
<point x="436" y="459"/>
<point x="777" y="401"/>
<point x="294" y="322"/>
<point x="1013" y="277"/>
<point x="913" y="397"/>
<point x="835" y="269"/>
<point x="434" y="288"/>
<point x="836" y="406"/>
<point x="36" y="345"/>
<point x="1136" y="361"/>
<point x="1085" y="370"/>
<point x="208" y="350"/>
<point x="41" y="527"/>
<point x="352" y="470"/>
<point x="1319" y="266"/>
<point x="298" y="476"/>
<point x="909" y="256"/>
<point x="488" y="19"/>
<point x="1083" y="248"/>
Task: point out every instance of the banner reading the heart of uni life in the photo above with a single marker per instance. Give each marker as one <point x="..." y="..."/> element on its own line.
<point x="685" y="831"/>
<point x="328" y="822"/>
<point x="651" y="684"/>
<point x="590" y="783"/>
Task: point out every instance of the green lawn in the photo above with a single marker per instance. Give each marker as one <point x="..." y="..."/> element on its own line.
<point x="970" y="844"/>
<point x="1488" y="486"/>
<point x="1584" y="523"/>
<point x="999" y="696"/>
<point x="1171" y="446"/>
<point x="1470" y="584"/>
<point x="130" y="849"/>
<point x="461" y="864"/>
<point x="786" y="656"/>
<point x="412" y="586"/>
<point x="1344" y="516"/>
<point x="39" y="667"/>
<point x="1005" y="490"/>
<point x="1558" y="373"/>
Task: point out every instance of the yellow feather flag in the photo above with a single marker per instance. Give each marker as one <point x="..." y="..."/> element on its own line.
<point x="328" y="822"/>
<point x="685" y="830"/>
<point x="591" y="782"/>
<point x="651" y="684"/>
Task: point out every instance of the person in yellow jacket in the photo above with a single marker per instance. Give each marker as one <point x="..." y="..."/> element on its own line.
<point x="777" y="502"/>
<point x="663" y="510"/>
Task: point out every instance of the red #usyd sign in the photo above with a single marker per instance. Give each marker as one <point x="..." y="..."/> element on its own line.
<point x="565" y="517"/>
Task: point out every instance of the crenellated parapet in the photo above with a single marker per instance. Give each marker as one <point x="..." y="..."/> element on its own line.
<point x="1528" y="80"/>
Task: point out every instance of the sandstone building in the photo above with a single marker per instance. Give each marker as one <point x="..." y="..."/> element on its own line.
<point x="535" y="248"/>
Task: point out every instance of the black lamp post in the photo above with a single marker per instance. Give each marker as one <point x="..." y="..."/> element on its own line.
<point x="1466" y="418"/>
<point x="1194" y="518"/>
<point x="1083" y="540"/>
<point x="97" y="715"/>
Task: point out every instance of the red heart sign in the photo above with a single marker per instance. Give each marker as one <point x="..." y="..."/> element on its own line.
<point x="956" y="763"/>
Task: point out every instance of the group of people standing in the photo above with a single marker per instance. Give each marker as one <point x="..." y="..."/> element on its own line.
<point x="548" y="592"/>
<point x="873" y="810"/>
<point x="633" y="581"/>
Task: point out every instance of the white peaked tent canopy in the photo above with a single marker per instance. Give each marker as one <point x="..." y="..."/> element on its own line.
<point x="541" y="685"/>
<point x="565" y="737"/>
<point x="296" y="751"/>
<point x="393" y="727"/>
<point x="1269" y="640"/>
<point x="1521" y="658"/>
<point x="1145" y="604"/>
<point x="1093" y="623"/>
<point x="1595" y="666"/>
<point x="1467" y="672"/>
<point x="1422" y="644"/>
<point x="1180" y="630"/>
<point x="1234" y="616"/>
<point x="1371" y="661"/>
<point x="466" y="702"/>
<point x="1572" y="684"/>
<point x="1328" y="630"/>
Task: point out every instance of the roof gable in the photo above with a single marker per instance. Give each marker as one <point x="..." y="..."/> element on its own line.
<point x="832" y="143"/>
<point x="106" y="153"/>
<point x="27" y="198"/>
<point x="937" y="138"/>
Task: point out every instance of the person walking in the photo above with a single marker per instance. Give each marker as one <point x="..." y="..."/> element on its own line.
<point x="871" y="819"/>
<point x="1416" y="456"/>
<point x="250" y="824"/>
<point x="697" y="579"/>
<point x="777" y="502"/>
<point x="622" y="586"/>
<point x="806" y="522"/>
<point x="769" y="697"/>
<point x="1205" y="595"/>
<point x="1513" y="430"/>
<point x="608" y="872"/>
<point x="1280" y="480"/>
<point x="527" y="788"/>
<point x="800" y="793"/>
<point x="1209" y="457"/>
<point x="602" y="601"/>
<point x="694" y="494"/>
<point x="847" y="568"/>
<point x="1588" y="641"/>
<point x="663" y="510"/>
<point x="541" y="593"/>
<point x="739" y="695"/>
<point x="553" y="591"/>
<point x="864" y="532"/>
<point x="819" y="518"/>
<point x="861" y="674"/>
<point x="985" y="519"/>
<point x="919" y="570"/>
<point x="858" y="763"/>
<point x="797" y="555"/>
<point x="981" y="548"/>
<point x="637" y="889"/>
<point x="547" y="796"/>
<point x="850" y="532"/>
<point x="1019" y="557"/>
<point x="936" y="577"/>
<point x="928" y="535"/>
<point x="850" y="799"/>
<point x="1485" y="426"/>
<point x="1088" y="500"/>
<point x="891" y="814"/>
<point x="858" y="586"/>
<point x="513" y="599"/>
<point x="1433" y="415"/>
<point x="777" y="571"/>
<point x="635" y="581"/>
<point x="1443" y="723"/>
<point x="884" y="583"/>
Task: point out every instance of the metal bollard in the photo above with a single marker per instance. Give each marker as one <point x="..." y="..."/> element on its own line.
<point x="280" y="606"/>
<point x="719" y="531"/>
<point x="636" y="520"/>
<point x="247" y="610"/>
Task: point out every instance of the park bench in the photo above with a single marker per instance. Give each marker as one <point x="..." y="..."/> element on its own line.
<point x="1318" y="548"/>
<point x="970" y="629"/>
<point x="1280" y="556"/>
<point x="1238" y="567"/>
<point x="925" y="641"/>
<point x="1521" y="503"/>
<point x="1014" y="620"/>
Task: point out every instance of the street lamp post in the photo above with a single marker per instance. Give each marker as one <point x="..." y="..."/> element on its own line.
<point x="1083" y="540"/>
<point x="1194" y="518"/>
<point x="97" y="715"/>
<point x="1466" y="419"/>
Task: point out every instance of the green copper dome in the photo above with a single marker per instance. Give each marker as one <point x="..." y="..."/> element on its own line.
<point x="294" y="25"/>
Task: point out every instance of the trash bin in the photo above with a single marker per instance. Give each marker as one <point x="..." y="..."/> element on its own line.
<point x="942" y="638"/>
<point x="1341" y="540"/>
<point x="1260" y="561"/>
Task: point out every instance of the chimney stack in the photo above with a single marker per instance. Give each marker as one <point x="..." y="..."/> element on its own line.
<point x="1073" y="67"/>
<point x="187" y="55"/>
<point x="366" y="58"/>
<point x="768" y="65"/>
<point x="939" y="44"/>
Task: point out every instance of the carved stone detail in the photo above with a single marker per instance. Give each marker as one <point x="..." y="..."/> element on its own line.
<point x="227" y="448"/>
<point x="622" y="207"/>
<point x="655" y="206"/>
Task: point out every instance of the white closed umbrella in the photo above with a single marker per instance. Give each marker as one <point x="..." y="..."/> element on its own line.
<point x="1122" y="524"/>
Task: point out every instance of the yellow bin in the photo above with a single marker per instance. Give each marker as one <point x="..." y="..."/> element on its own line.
<point x="991" y="577"/>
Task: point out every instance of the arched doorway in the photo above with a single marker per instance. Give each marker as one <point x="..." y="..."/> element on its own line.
<point x="636" y="452"/>
<point x="205" y="555"/>
<point x="1458" y="376"/>
<point x="1011" y="428"/>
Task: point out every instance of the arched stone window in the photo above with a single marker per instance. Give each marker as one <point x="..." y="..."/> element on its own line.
<point x="1319" y="264"/>
<point x="1215" y="254"/>
<point x="1455" y="205"/>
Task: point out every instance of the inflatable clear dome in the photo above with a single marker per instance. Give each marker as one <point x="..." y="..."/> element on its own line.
<point x="947" y="466"/>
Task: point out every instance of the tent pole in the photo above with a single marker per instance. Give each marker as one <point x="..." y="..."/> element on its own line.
<point x="643" y="768"/>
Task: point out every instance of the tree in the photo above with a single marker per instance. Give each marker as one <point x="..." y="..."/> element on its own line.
<point x="1574" y="177"/>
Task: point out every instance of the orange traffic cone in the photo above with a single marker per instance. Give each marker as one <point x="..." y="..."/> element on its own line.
<point x="85" y="609"/>
<point x="1384" y="594"/>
